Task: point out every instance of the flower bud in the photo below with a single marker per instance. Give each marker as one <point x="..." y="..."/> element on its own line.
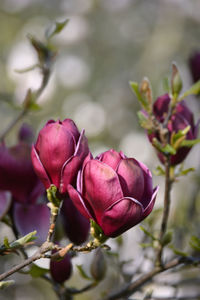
<point x="58" y="153"/>
<point x="61" y="270"/>
<point x="98" y="266"/>
<point x="180" y="119"/>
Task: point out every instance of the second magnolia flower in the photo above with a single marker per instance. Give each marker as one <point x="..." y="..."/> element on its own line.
<point x="115" y="191"/>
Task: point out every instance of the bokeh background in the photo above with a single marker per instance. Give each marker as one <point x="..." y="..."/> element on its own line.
<point x="106" y="44"/>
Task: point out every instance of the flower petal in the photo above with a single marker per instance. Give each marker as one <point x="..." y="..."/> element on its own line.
<point x="110" y="158"/>
<point x="71" y="127"/>
<point x="28" y="218"/>
<point x="101" y="186"/>
<point x="150" y="206"/>
<point x="76" y="226"/>
<point x="121" y="216"/>
<point x="131" y="178"/>
<point x="148" y="185"/>
<point x="61" y="270"/>
<point x="39" y="168"/>
<point x="79" y="202"/>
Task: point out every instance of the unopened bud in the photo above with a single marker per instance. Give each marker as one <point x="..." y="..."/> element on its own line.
<point x="98" y="266"/>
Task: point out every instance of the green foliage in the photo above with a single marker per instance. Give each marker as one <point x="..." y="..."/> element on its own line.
<point x="135" y="88"/>
<point x="178" y="251"/>
<point x="167" y="149"/>
<point x="9" y="247"/>
<point x="189" y="143"/>
<point x="194" y="90"/>
<point x="167" y="238"/>
<point x="5" y="284"/>
<point x="159" y="171"/>
<point x="195" y="243"/>
<point x="97" y="232"/>
<point x="82" y="273"/>
<point x="55" y="28"/>
<point x="36" y="271"/>
<point x="176" y="81"/>
<point x="148" y="233"/>
<point x="144" y="121"/>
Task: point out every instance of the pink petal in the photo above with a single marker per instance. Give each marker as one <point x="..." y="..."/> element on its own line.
<point x="110" y="158"/>
<point x="121" y="216"/>
<point x="150" y="206"/>
<point x="68" y="173"/>
<point x="101" y="186"/>
<point x="76" y="226"/>
<point x="131" y="178"/>
<point x="71" y="127"/>
<point x="28" y="218"/>
<point x="79" y="202"/>
<point x="39" y="168"/>
<point x="148" y="185"/>
<point x="5" y="202"/>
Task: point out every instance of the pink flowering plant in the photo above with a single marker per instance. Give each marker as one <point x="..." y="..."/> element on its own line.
<point x="53" y="189"/>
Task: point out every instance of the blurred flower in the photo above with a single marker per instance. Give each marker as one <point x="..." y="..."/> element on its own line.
<point x="58" y="153"/>
<point x="180" y="119"/>
<point x="115" y="191"/>
<point x="17" y="174"/>
<point x="194" y="64"/>
<point x="61" y="270"/>
<point x="76" y="226"/>
<point x="5" y="201"/>
<point x="26" y="134"/>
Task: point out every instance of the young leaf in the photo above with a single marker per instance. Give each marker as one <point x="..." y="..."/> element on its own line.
<point x="36" y="271"/>
<point x="195" y="243"/>
<point x="178" y="252"/>
<point x="83" y="273"/>
<point x="189" y="143"/>
<point x="135" y="88"/>
<point x="176" y="81"/>
<point x="167" y="149"/>
<point x="144" y="121"/>
<point x="194" y="90"/>
<point x="5" y="284"/>
<point x="56" y="28"/>
<point x="167" y="238"/>
<point x="159" y="171"/>
<point x="148" y="233"/>
<point x="24" y="240"/>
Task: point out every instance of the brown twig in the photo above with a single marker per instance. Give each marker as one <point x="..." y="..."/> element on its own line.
<point x="167" y="200"/>
<point x="130" y="288"/>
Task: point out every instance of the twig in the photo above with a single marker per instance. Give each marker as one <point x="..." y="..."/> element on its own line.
<point x="135" y="285"/>
<point x="37" y="255"/>
<point x="168" y="184"/>
<point x="45" y="80"/>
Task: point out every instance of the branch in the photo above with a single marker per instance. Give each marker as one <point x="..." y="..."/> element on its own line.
<point x="130" y="288"/>
<point x="46" y="75"/>
<point x="37" y="255"/>
<point x="168" y="185"/>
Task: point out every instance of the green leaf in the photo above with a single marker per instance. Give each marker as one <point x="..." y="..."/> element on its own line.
<point x="146" y="245"/>
<point x="195" y="243"/>
<point x="56" y="28"/>
<point x="166" y="86"/>
<point x="178" y="252"/>
<point x="159" y="171"/>
<point x="148" y="233"/>
<point x="83" y="273"/>
<point x="168" y="149"/>
<point x="135" y="88"/>
<point x="36" y="271"/>
<point x="190" y="143"/>
<point x="194" y="90"/>
<point x="24" y="240"/>
<point x="167" y="238"/>
<point x="6" y="243"/>
<point x="5" y="284"/>
<point x="186" y="171"/>
<point x="97" y="232"/>
<point x="144" y="121"/>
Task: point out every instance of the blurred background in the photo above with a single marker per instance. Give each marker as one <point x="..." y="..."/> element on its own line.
<point x="106" y="44"/>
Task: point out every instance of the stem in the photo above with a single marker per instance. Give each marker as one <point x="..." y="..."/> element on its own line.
<point x="130" y="288"/>
<point x="45" y="80"/>
<point x="168" y="184"/>
<point x="37" y="255"/>
<point x="53" y="218"/>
